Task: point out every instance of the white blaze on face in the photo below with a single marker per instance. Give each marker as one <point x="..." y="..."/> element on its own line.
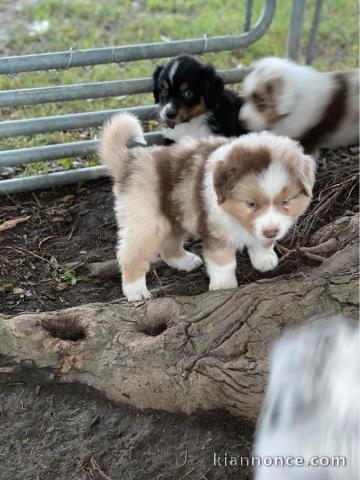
<point x="172" y="71"/>
<point x="164" y="110"/>
<point x="271" y="182"/>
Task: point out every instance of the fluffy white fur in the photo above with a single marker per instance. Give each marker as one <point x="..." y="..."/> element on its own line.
<point x="303" y="100"/>
<point x="144" y="231"/>
<point x="195" y="128"/>
<point x="312" y="402"/>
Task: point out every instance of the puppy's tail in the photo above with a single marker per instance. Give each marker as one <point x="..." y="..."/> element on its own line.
<point x="117" y="132"/>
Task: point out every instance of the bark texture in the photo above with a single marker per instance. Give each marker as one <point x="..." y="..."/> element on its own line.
<point x="208" y="351"/>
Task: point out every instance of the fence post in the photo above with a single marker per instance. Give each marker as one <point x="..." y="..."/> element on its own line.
<point x="310" y="51"/>
<point x="295" y="29"/>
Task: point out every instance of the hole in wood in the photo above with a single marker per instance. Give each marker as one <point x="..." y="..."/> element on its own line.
<point x="153" y="327"/>
<point x="68" y="328"/>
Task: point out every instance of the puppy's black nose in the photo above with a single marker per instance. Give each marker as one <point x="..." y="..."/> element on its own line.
<point x="171" y="113"/>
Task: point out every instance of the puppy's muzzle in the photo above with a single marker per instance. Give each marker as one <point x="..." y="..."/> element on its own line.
<point x="271" y="232"/>
<point x="170" y="116"/>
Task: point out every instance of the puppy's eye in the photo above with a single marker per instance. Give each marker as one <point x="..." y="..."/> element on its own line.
<point x="188" y="94"/>
<point x="285" y="203"/>
<point x="252" y="205"/>
<point x="164" y="92"/>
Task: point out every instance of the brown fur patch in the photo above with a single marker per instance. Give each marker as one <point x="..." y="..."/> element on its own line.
<point x="300" y="182"/>
<point x="241" y="212"/>
<point x="239" y="162"/>
<point x="298" y="205"/>
<point x="205" y="148"/>
<point x="169" y="169"/>
<point x="298" y="200"/>
<point x="237" y="204"/>
<point x="165" y="85"/>
<point x="331" y="118"/>
<point x="137" y="252"/>
<point x="183" y="87"/>
<point x="265" y="99"/>
<point x="173" y="246"/>
<point x="188" y="113"/>
<point x="220" y="254"/>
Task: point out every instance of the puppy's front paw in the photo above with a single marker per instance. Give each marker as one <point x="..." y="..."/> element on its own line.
<point x="188" y="262"/>
<point x="264" y="260"/>
<point x="223" y="283"/>
<point x="136" y="291"/>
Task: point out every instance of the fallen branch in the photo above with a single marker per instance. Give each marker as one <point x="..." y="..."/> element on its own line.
<point x="208" y="351"/>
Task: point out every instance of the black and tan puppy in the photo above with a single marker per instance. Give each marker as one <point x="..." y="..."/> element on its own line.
<point x="193" y="101"/>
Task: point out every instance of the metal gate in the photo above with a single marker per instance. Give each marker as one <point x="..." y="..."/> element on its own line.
<point x="82" y="58"/>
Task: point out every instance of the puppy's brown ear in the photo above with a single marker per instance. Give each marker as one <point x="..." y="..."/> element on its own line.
<point x="224" y="181"/>
<point x="307" y="174"/>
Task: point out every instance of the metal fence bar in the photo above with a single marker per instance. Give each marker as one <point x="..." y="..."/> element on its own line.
<point x="81" y="58"/>
<point x="28" y="184"/>
<point x="249" y="11"/>
<point x="296" y="29"/>
<point x="81" y="91"/>
<point x="13" y="128"/>
<point x="22" y="156"/>
<point x="310" y="50"/>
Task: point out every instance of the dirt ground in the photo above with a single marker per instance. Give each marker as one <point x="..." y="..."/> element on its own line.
<point x="65" y="432"/>
<point x="44" y="259"/>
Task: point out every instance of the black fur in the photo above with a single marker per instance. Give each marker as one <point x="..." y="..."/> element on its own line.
<point x="223" y="105"/>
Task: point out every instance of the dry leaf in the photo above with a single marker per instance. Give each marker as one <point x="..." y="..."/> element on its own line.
<point x="13" y="222"/>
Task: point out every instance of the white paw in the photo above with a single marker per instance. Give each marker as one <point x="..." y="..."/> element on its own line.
<point x="188" y="262"/>
<point x="223" y="283"/>
<point x="136" y="291"/>
<point x="264" y="260"/>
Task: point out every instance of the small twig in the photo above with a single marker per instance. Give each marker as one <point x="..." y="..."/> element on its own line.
<point x="42" y="303"/>
<point x="45" y="240"/>
<point x="159" y="280"/>
<point x="36" y="200"/>
<point x="8" y="369"/>
<point x="184" y="461"/>
<point x="186" y="474"/>
<point x="325" y="247"/>
<point x="312" y="256"/>
<point x="96" y="467"/>
<point x="23" y="250"/>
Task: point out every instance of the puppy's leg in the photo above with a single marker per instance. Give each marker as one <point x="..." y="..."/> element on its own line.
<point x="134" y="254"/>
<point x="262" y="257"/>
<point x="173" y="253"/>
<point x="221" y="266"/>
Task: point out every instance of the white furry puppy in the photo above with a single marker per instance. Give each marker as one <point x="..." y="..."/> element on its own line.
<point x="311" y="409"/>
<point x="232" y="193"/>
<point x="318" y="109"/>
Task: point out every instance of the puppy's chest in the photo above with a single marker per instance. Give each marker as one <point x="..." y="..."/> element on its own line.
<point x="221" y="225"/>
<point x="196" y="128"/>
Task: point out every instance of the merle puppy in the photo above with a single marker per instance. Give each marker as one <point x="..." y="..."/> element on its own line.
<point x="193" y="101"/>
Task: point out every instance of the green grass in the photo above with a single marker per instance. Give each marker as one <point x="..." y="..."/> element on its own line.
<point x="90" y="23"/>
